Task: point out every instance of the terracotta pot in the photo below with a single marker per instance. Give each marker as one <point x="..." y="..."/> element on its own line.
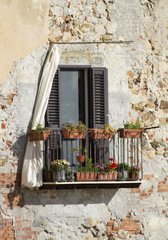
<point x="38" y="136"/>
<point x="86" y="176"/>
<point x="133" y="176"/>
<point x="90" y="176"/>
<point x="47" y="176"/>
<point x="80" y="158"/>
<point x="108" y="176"/>
<point x="130" y="133"/>
<point x="73" y="134"/>
<point x="99" y="134"/>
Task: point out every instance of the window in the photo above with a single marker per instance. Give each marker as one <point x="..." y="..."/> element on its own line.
<point x="79" y="93"/>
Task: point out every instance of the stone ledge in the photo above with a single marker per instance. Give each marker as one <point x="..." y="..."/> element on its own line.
<point x="81" y="185"/>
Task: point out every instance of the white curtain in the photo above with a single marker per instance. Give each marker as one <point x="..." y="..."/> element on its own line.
<point x="33" y="162"/>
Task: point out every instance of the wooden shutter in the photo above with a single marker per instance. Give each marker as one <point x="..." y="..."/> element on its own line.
<point x="53" y="111"/>
<point x="98" y="93"/>
<point x="98" y="113"/>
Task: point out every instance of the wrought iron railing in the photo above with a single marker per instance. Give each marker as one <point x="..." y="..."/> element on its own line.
<point x="125" y="152"/>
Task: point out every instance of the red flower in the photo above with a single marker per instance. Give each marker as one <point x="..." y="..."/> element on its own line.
<point x="114" y="165"/>
<point x="111" y="159"/>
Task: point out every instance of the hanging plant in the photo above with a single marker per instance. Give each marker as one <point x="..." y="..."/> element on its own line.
<point x="39" y="134"/>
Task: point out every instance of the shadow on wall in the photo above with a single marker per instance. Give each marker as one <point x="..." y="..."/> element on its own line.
<point x="68" y="197"/>
<point x="19" y="148"/>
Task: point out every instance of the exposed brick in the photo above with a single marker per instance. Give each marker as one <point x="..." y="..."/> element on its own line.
<point x="135" y="190"/>
<point x="129" y="225"/>
<point x="148" y="176"/>
<point x="3" y="125"/>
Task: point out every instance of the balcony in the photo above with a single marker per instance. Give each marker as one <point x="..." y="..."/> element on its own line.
<point x="126" y="152"/>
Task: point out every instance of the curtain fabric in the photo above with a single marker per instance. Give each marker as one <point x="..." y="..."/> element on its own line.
<point x="33" y="162"/>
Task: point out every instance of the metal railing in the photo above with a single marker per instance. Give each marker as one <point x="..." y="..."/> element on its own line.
<point x="124" y="151"/>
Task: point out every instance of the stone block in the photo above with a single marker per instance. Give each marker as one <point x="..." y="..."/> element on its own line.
<point x="162" y="121"/>
<point x="2" y="162"/>
<point x="163" y="104"/>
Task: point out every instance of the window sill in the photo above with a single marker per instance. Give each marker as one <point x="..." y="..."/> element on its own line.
<point x="100" y="184"/>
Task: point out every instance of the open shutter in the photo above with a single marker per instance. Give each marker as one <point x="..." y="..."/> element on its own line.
<point x="99" y="97"/>
<point x="53" y="111"/>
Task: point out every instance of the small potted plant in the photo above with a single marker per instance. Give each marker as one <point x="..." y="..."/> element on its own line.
<point x="87" y="173"/>
<point x="107" y="132"/>
<point x="74" y="130"/>
<point x="80" y="157"/>
<point x="133" y="172"/>
<point x="59" y="168"/>
<point x="131" y="130"/>
<point x="122" y="171"/>
<point x="113" y="168"/>
<point x="47" y="175"/>
<point x="70" y="175"/>
<point x="39" y="134"/>
<point x="107" y="172"/>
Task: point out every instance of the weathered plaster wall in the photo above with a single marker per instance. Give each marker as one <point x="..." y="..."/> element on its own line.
<point x="138" y="87"/>
<point x="24" y="27"/>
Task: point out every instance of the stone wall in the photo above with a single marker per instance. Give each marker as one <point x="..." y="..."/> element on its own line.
<point x="138" y="81"/>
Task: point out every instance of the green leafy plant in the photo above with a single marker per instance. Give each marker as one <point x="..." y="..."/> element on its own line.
<point x="132" y="125"/>
<point x="122" y="166"/>
<point x="72" y="126"/>
<point x="77" y="149"/>
<point x="59" y="165"/>
<point x="39" y="128"/>
<point x="46" y="170"/>
<point x="108" y="129"/>
<point x="134" y="169"/>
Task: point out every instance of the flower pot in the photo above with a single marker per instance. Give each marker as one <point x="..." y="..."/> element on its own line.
<point x="133" y="176"/>
<point x="100" y="134"/>
<point x="90" y="176"/>
<point x="80" y="158"/>
<point x="107" y="176"/>
<point x="130" y="133"/>
<point x="47" y="177"/>
<point x="86" y="176"/>
<point x="80" y="176"/>
<point x="38" y="136"/>
<point x="70" y="177"/>
<point x="68" y="134"/>
<point x="122" y="174"/>
<point x="59" y="176"/>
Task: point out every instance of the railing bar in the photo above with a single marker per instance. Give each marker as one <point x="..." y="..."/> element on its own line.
<point x="71" y="154"/>
<point x="123" y="150"/>
<point x="137" y="152"/>
<point x="141" y="161"/>
<point x="114" y="155"/>
<point x="127" y="150"/>
<point x="131" y="150"/>
<point x="62" y="148"/>
<point x="104" y="149"/>
<point x="118" y="148"/>
<point x="98" y="148"/>
<point x="121" y="147"/>
<point x="134" y="154"/>
<point x="67" y="151"/>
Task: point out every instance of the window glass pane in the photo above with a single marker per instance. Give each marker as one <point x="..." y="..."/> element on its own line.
<point x="69" y="99"/>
